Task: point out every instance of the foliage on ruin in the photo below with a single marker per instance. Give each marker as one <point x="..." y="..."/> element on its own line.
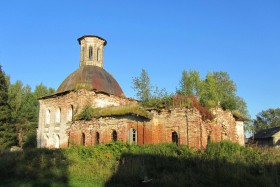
<point x="88" y="112"/>
<point x="240" y="116"/>
<point x="190" y="83"/>
<point x="143" y="86"/>
<point x="121" y="164"/>
<point x="83" y="86"/>
<point x="216" y="90"/>
<point x="205" y="113"/>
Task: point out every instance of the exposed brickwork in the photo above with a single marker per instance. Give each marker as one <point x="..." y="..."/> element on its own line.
<point x="57" y="112"/>
<point x="187" y="123"/>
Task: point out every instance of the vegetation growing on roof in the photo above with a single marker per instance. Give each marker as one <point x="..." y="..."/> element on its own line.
<point x="88" y="112"/>
<point x="240" y="116"/>
<point x="216" y="90"/>
<point x="84" y="86"/>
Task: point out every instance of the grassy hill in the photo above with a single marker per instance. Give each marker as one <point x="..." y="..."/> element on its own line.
<point x="119" y="164"/>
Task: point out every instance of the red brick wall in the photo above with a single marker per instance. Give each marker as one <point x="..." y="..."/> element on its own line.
<point x="187" y="123"/>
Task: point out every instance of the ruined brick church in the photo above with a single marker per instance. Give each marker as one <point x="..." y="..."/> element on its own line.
<point x="92" y="85"/>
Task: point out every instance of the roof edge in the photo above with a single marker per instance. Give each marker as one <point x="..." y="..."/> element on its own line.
<point x="56" y="94"/>
<point x="79" y="39"/>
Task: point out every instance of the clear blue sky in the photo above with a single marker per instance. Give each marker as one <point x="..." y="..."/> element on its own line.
<point x="38" y="42"/>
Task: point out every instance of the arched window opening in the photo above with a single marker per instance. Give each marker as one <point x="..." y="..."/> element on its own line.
<point x="132" y="136"/>
<point x="58" y="115"/>
<point x="57" y="141"/>
<point x="83" y="140"/>
<point x="48" y="116"/>
<point x="208" y="139"/>
<point x="114" y="135"/>
<point x="70" y="113"/>
<point x="46" y="143"/>
<point x="98" y="54"/>
<point x="175" y="137"/>
<point x="97" y="137"/>
<point x="90" y="53"/>
<point x="83" y="51"/>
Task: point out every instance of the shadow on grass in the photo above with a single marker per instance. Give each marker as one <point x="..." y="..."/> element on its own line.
<point x="37" y="167"/>
<point x="174" y="171"/>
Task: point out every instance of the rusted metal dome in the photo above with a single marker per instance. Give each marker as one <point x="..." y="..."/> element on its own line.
<point x="91" y="77"/>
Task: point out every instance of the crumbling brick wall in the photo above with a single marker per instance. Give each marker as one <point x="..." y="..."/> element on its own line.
<point x="187" y="123"/>
<point x="52" y="131"/>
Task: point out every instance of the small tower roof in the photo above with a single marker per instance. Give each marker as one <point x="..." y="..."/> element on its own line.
<point x="93" y="36"/>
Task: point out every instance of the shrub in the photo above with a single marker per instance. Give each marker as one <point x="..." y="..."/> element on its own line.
<point x="121" y="164"/>
<point x="204" y="112"/>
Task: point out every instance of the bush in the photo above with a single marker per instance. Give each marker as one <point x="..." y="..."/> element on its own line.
<point x="31" y="140"/>
<point x="121" y="164"/>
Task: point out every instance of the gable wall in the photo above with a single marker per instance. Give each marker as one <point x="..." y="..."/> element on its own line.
<point x="276" y="139"/>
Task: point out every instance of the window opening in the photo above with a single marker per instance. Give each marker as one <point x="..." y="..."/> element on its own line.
<point x="97" y="137"/>
<point x="70" y="113"/>
<point x="132" y="136"/>
<point x="48" y="116"/>
<point x="208" y="139"/>
<point x="83" y="51"/>
<point x="46" y="140"/>
<point x="98" y="54"/>
<point x="83" y="139"/>
<point x="114" y="135"/>
<point x="175" y="137"/>
<point x="57" y="141"/>
<point x="58" y="115"/>
<point x="90" y="53"/>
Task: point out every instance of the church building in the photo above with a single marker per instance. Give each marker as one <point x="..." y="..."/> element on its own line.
<point x="117" y="117"/>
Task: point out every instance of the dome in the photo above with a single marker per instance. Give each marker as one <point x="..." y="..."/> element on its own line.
<point x="92" y="77"/>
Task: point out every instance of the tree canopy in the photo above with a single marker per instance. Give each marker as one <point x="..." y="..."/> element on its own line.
<point x="7" y="129"/>
<point x="217" y="89"/>
<point x="143" y="86"/>
<point x="19" y="111"/>
<point x="150" y="96"/>
<point x="266" y="119"/>
<point x="190" y="83"/>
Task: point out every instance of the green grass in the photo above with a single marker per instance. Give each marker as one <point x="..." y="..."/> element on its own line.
<point x="88" y="112"/>
<point x="120" y="164"/>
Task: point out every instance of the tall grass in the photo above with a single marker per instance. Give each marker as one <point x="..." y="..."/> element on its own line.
<point x="120" y="164"/>
<point x="88" y="112"/>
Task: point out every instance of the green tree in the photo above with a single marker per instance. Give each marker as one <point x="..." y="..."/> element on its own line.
<point x="208" y="94"/>
<point x="41" y="90"/>
<point x="15" y="99"/>
<point x="242" y="107"/>
<point x="25" y="110"/>
<point x="267" y="119"/>
<point x="226" y="90"/>
<point x="7" y="130"/>
<point x="190" y="83"/>
<point x="142" y="86"/>
<point x="150" y="96"/>
<point x="219" y="89"/>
